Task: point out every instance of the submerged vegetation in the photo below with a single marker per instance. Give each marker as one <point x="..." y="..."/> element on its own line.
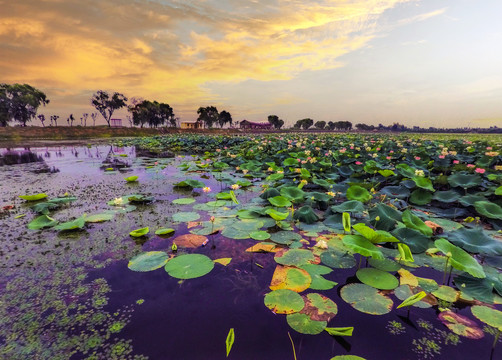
<point x="329" y="232"/>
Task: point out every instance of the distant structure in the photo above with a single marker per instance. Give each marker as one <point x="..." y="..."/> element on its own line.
<point x="245" y="124"/>
<point x="192" y="125"/>
<point x="116" y="122"/>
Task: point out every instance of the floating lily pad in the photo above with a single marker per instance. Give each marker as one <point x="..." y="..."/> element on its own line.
<point x="140" y="232"/>
<point x="305" y="325"/>
<point x="76" y="224"/>
<point x="186" y="216"/>
<point x="338" y="260"/>
<point x="263" y="247"/>
<point x="460" y="259"/>
<point x="340" y="331"/>
<point x="480" y="289"/>
<point x="184" y="201"/>
<point x="42" y="221"/>
<point x="356" y="192"/>
<point x="366" y="299"/>
<point x="363" y="246"/>
<point x="97" y="218"/>
<point x="259" y="235"/>
<point x="492" y="317"/>
<point x="189" y="266"/>
<point x="290" y="277"/>
<point x="383" y="264"/>
<point x="469" y="200"/>
<point x="461" y="325"/>
<point x="285" y="237"/>
<point x="190" y="183"/>
<point x="223" y="261"/>
<point x="319" y="307"/>
<point x="34" y="197"/>
<point x="449" y="196"/>
<point x="190" y="241"/>
<point x="133" y="178"/>
<point x="316" y="272"/>
<point x="377" y="278"/>
<point x="284" y="301"/>
<point x="295" y="257"/>
<point x="164" y="231"/>
<point x="446" y="293"/>
<point x="488" y="209"/>
<point x="148" y="261"/>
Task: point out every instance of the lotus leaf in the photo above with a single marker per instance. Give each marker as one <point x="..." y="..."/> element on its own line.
<point x="416" y="241"/>
<point x="407" y="278"/>
<point x="412" y="299"/>
<point x="275" y="177"/>
<point x="397" y="192"/>
<point x="479" y="289"/>
<point x="347" y="225"/>
<point x="405" y="252"/>
<point x="414" y="222"/>
<point x="498" y="191"/>
<point x="423" y="183"/>
<point x="461" y="325"/>
<point x="45" y="207"/>
<point x="338" y="260"/>
<point x="277" y="215"/>
<point x="404" y="292"/>
<point x="387" y="217"/>
<point x="76" y="224"/>
<point x="290" y="162"/>
<point x="295" y="257"/>
<point x="476" y="241"/>
<point x="183" y="201"/>
<point x="285" y="237"/>
<point x="353" y="206"/>
<point x="356" y="192"/>
<point x="446" y="293"/>
<point x="223" y="261"/>
<point x="292" y="193"/>
<point x="230" y="340"/>
<point x="96" y="218"/>
<point x="279" y="201"/>
<point x="284" y="301"/>
<point x="190" y="183"/>
<point x="190" y="241"/>
<point x="492" y="317"/>
<point x="243" y="183"/>
<point x="377" y="278"/>
<point x="446" y="196"/>
<point x="321" y="182"/>
<point x="148" y="261"/>
<point x="420" y="197"/>
<point x="427" y="285"/>
<point x="34" y="197"/>
<point x="318" y="282"/>
<point x="366" y="299"/>
<point x="469" y="200"/>
<point x="42" y="221"/>
<point x="140" y="232"/>
<point x="271" y="192"/>
<point x="186" y="216"/>
<point x="383" y="264"/>
<point x="460" y="259"/>
<point x="488" y="209"/>
<point x="263" y="247"/>
<point x="464" y="180"/>
<point x="164" y="231"/>
<point x="189" y="266"/>
<point x="347" y="357"/>
<point x="133" y="178"/>
<point x="259" y="235"/>
<point x="62" y="200"/>
<point x="235" y="233"/>
<point x="363" y="246"/>
<point x="319" y="307"/>
<point x="290" y="277"/>
<point x="340" y="331"/>
<point x="378" y="236"/>
<point x="305" y="214"/>
<point x="304" y="325"/>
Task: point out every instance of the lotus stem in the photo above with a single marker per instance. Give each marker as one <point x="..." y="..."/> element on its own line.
<point x="496" y="339"/>
<point x="445" y="269"/>
<point x="408" y="312"/>
<point x="292" y="345"/>
<point x="360" y="261"/>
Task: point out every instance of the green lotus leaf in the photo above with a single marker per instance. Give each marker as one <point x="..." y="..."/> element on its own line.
<point x="404" y="292"/>
<point x="353" y="206"/>
<point x="340" y="331"/>
<point x="290" y="277"/>
<point x="277" y="215"/>
<point x="488" y="209"/>
<point x="148" y="261"/>
<point x="338" y="260"/>
<point x="295" y="257"/>
<point x="34" y="197"/>
<point x="386" y="173"/>
<point x="243" y="183"/>
<point x="356" y="192"/>
<point x="461" y="325"/>
<point x="395" y="192"/>
<point x="133" y="178"/>
<point x="384" y="264"/>
<point x="460" y="259"/>
<point x="423" y="183"/>
<point x="140" y="232"/>
<point x="305" y="214"/>
<point x="366" y="299"/>
<point x="469" y="200"/>
<point x="164" y="231"/>
<point x="321" y="182"/>
<point x="279" y="201"/>
<point x="62" y="200"/>
<point x="76" y="224"/>
<point x="247" y="214"/>
<point x="284" y="301"/>
<point x="387" y="217"/>
<point x="377" y="278"/>
<point x="183" y="201"/>
<point x="259" y="235"/>
<point x="96" y="218"/>
<point x="189" y="266"/>
<point x="186" y="216"/>
<point x="464" y="180"/>
<point x="275" y="177"/>
<point x="42" y="221"/>
<point x="363" y="246"/>
<point x="319" y="307"/>
<point x="44" y="207"/>
<point x="137" y="198"/>
<point x="316" y="272"/>
<point x="235" y="233"/>
<point x="492" y="317"/>
<point x="417" y="241"/>
<point x="421" y="197"/>
<point x="405" y="253"/>
<point x="346" y="222"/>
<point x="414" y="222"/>
<point x="304" y="325"/>
<point x="378" y="236"/>
<point x="222" y="196"/>
<point x="475" y="241"/>
<point x="428" y="285"/>
<point x="347" y="357"/>
<point x="292" y="193"/>
<point x="190" y="183"/>
<point x="271" y="192"/>
<point x="285" y="237"/>
<point x="498" y="191"/>
<point x="446" y="293"/>
<point x="446" y="196"/>
<point x="479" y="289"/>
<point x="290" y="162"/>
<point x="412" y="299"/>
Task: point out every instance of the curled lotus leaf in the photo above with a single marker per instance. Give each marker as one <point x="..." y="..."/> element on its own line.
<point x="423" y="183"/>
<point x="279" y="201"/>
<point x="416" y="241"/>
<point x="295" y="257"/>
<point x="347" y="357"/>
<point x="413" y="299"/>
<point x="475" y="241"/>
<point x="306" y="214"/>
<point x="42" y="221"/>
<point x="319" y="307"/>
<point x="284" y="301"/>
<point x="352" y="206"/>
<point x="293" y="193"/>
<point x="375" y="236"/>
<point x="148" y="261"/>
<point x="271" y="192"/>
<point x="361" y="245"/>
<point x="387" y="217"/>
<point x="190" y="241"/>
<point x="414" y="222"/>
<point x="140" y="232"/>
<point x="290" y="277"/>
<point x="366" y="299"/>
<point x="356" y="192"/>
<point x="277" y="215"/>
<point x="488" y="209"/>
<point x="189" y="266"/>
<point x="340" y="331"/>
<point x="461" y="325"/>
<point x="164" y="231"/>
<point x="303" y="324"/>
<point x="76" y="224"/>
<point x="460" y="259"/>
<point x="404" y="292"/>
<point x="133" y="178"/>
<point x="492" y="317"/>
<point x="34" y="197"/>
<point x="377" y="278"/>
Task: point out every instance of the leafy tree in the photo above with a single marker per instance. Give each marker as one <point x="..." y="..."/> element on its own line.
<point x="152" y="113"/>
<point x="55" y="119"/>
<point x="320" y="124"/>
<point x="208" y="115"/>
<point x="304" y="123"/>
<point x="41" y="117"/>
<point x="330" y="125"/>
<point x="364" y="127"/>
<point x="107" y="105"/>
<point x="20" y="103"/>
<point x="224" y="118"/>
<point x="275" y="121"/>
<point x="70" y="120"/>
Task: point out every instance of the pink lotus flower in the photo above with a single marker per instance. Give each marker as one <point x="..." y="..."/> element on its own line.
<point x="456" y="161"/>
<point x="358" y="163"/>
<point x="488" y="148"/>
<point x="417" y="157"/>
<point x="299" y="160"/>
<point x="388" y="158"/>
<point x="391" y="152"/>
<point x="470" y="165"/>
<point x="441" y="156"/>
<point x="480" y="170"/>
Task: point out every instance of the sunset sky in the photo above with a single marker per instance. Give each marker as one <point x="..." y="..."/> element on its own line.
<point x="417" y="62"/>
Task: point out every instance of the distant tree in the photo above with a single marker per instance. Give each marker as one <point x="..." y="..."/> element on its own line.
<point x="20" y="103"/>
<point x="94" y="116"/>
<point x="365" y="127"/>
<point x="304" y="123"/>
<point x="107" y="105"/>
<point x="275" y="121"/>
<point x="330" y="125"/>
<point x="55" y="119"/>
<point x="70" y="120"/>
<point x="224" y="117"/>
<point x="41" y="117"/>
<point x="152" y="113"/>
<point x="85" y="116"/>
<point x="208" y="115"/>
<point x="320" y="124"/>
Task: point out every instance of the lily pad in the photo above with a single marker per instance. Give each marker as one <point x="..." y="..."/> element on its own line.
<point x="366" y="299"/>
<point x="293" y="193"/>
<point x="97" y="218"/>
<point x="461" y="325"/>
<point x="42" y="221"/>
<point x="338" y="260"/>
<point x="140" y="232"/>
<point x="416" y="241"/>
<point x="377" y="278"/>
<point x="488" y="209"/>
<point x="319" y="307"/>
<point x="76" y="224"/>
<point x="133" y="178"/>
<point x="305" y="214"/>
<point x="148" y="261"/>
<point x="183" y="201"/>
<point x="356" y="192"/>
<point x="423" y="183"/>
<point x="190" y="183"/>
<point x="186" y="216"/>
<point x="421" y="197"/>
<point x="492" y="317"/>
<point x="164" y="231"/>
<point x="190" y="241"/>
<point x="277" y="215"/>
<point x="189" y="266"/>
<point x="279" y="201"/>
<point x="304" y="325"/>
<point x="316" y="272"/>
<point x="285" y="237"/>
<point x="352" y="206"/>
<point x="383" y="264"/>
<point x="395" y="192"/>
<point x="34" y="197"/>
<point x="259" y="235"/>
<point x="290" y="277"/>
<point x="449" y="196"/>
<point x="340" y="331"/>
<point x="446" y="293"/>
<point x="295" y="257"/>
<point x="387" y="217"/>
<point x="284" y="301"/>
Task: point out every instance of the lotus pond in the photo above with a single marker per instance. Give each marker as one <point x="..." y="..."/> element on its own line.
<point x="253" y="247"/>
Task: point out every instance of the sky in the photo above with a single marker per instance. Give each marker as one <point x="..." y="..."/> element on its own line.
<point x="416" y="62"/>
